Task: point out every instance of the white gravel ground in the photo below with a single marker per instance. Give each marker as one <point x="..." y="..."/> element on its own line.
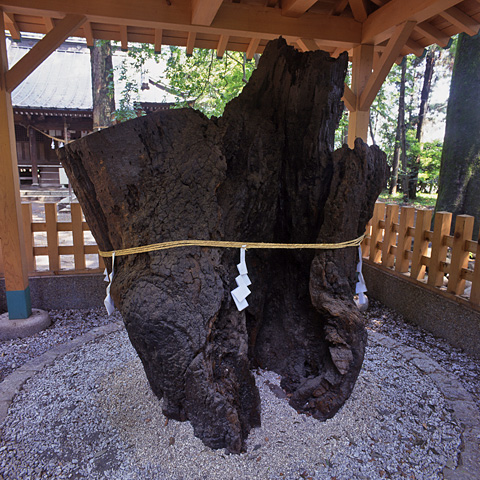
<point x="92" y="415"/>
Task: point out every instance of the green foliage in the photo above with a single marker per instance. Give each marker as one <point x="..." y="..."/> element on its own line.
<point x="204" y="81"/>
<point x="422" y="200"/>
<point x="430" y="158"/>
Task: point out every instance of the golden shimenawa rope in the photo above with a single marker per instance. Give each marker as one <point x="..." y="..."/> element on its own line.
<point x="226" y="244"/>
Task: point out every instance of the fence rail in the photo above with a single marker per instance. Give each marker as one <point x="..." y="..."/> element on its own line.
<point x="399" y="239"/>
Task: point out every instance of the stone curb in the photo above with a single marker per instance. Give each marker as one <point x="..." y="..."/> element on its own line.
<point x="461" y="402"/>
<point x="464" y="408"/>
<point x="12" y="384"/>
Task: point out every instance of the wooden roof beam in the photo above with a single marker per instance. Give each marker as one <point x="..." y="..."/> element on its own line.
<point x="433" y="34"/>
<point x="87" y="31"/>
<point x="461" y="20"/>
<point x="222" y="45"/>
<point x="359" y="10"/>
<point x="204" y="11"/>
<point x="414" y="47"/>
<point x="234" y="19"/>
<point x="379" y="25"/>
<point x="192" y="36"/>
<point x="11" y="26"/>
<point x="252" y="48"/>
<point x="296" y="8"/>
<point x="49" y="23"/>
<point x="42" y="49"/>
<point x="307" y="44"/>
<point x="158" y="40"/>
<point x="388" y="58"/>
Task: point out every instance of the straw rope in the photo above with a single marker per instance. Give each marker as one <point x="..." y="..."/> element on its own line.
<point x="225" y="244"/>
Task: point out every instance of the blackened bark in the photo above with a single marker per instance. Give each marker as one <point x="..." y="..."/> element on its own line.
<point x="265" y="172"/>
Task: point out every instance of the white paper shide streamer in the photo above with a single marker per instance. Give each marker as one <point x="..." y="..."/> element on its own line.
<point x="242" y="291"/>
<point x="108" y="302"/>
<point x="360" y="287"/>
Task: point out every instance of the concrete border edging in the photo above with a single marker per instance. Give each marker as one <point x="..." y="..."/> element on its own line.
<point x="464" y="409"/>
<point x="12" y="384"/>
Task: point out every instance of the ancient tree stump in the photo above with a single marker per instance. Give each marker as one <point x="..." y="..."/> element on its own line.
<point x="263" y="172"/>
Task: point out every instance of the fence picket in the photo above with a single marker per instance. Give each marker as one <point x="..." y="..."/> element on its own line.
<point x="77" y="234"/>
<point x="420" y="243"/>
<point x="2" y="269"/>
<point x="377" y="231"/>
<point x="475" y="294"/>
<point x="463" y="232"/>
<point x="28" y="235"/>
<point x="407" y="218"/>
<point x="52" y="236"/>
<point x="389" y="238"/>
<point x="443" y="221"/>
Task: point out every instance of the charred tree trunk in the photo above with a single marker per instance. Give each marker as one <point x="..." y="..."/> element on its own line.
<point x="265" y="172"/>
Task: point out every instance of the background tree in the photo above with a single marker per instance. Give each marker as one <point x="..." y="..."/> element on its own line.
<point x="459" y="181"/>
<point x="102" y="81"/>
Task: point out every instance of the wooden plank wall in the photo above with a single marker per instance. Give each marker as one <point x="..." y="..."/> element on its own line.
<point x="402" y="240"/>
<point x="397" y="238"/>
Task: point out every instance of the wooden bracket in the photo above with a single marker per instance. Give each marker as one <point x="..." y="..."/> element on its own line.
<point x="388" y="58"/>
<point x="349" y="98"/>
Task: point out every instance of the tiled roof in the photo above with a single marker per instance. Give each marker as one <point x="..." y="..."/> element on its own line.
<point x="63" y="80"/>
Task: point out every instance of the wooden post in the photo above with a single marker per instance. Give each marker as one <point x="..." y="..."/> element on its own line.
<point x="32" y="137"/>
<point x="463" y="232"/>
<point x="443" y="220"/>
<point x="475" y="295"/>
<point x="11" y="227"/>
<point x="378" y="215"/>
<point x="420" y="243"/>
<point x="404" y="244"/>
<point x="361" y="71"/>
<point x="389" y="237"/>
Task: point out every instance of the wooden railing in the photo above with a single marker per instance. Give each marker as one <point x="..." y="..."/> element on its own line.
<point x="398" y="239"/>
<point x="401" y="240"/>
<point x="58" y="247"/>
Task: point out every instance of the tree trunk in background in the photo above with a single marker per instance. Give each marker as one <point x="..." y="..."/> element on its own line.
<point x="427" y="85"/>
<point x="398" y="136"/>
<point x="402" y="129"/>
<point x="263" y="172"/>
<point x="102" y="81"/>
<point x="459" y="180"/>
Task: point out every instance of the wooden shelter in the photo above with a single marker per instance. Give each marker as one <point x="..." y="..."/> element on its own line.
<point x="376" y="33"/>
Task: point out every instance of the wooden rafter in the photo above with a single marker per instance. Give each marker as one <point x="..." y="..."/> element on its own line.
<point x="87" y="31"/>
<point x="222" y="45"/>
<point x="414" y="47"/>
<point x="461" y="20"/>
<point x="41" y="50"/>
<point x="158" y="40"/>
<point x="296" y="8"/>
<point x="124" y="37"/>
<point x="49" y="23"/>
<point x="12" y="27"/>
<point x="380" y="24"/>
<point x="433" y="34"/>
<point x="252" y="48"/>
<point x="388" y="58"/>
<point x="191" y="43"/>
<point x="204" y="11"/>
<point x="358" y="9"/>
<point x="307" y="44"/>
<point x="339" y="7"/>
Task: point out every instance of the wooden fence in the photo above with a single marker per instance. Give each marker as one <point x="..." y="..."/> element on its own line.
<point x="56" y="247"/>
<point x="402" y="240"/>
<point x="399" y="239"/>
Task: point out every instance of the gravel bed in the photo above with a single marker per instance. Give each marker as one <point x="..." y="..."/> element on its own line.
<point x="92" y="415"/>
